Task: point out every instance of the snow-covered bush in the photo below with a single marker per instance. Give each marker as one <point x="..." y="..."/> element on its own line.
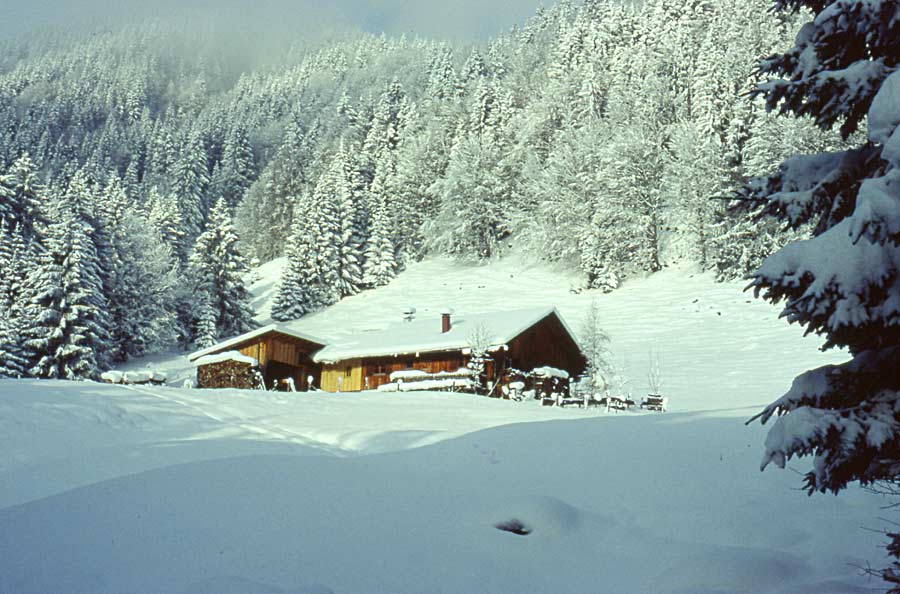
<point x="595" y="345"/>
<point x="479" y="340"/>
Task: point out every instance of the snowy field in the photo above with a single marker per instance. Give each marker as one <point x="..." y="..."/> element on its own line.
<point x="110" y="489"/>
<point x="718" y="346"/>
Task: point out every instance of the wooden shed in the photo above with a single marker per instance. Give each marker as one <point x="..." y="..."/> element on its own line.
<point x="283" y="356"/>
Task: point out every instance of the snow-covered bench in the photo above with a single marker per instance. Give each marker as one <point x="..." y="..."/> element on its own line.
<point x="655" y="402"/>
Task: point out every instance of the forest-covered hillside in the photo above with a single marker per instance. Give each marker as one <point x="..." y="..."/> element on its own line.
<point x="141" y="170"/>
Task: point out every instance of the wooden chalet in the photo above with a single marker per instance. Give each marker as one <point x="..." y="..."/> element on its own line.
<point x="280" y="353"/>
<point x="522" y="340"/>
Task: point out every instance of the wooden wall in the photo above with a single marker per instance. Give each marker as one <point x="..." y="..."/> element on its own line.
<point x="346" y="376"/>
<point x="545" y="344"/>
<point x="373" y="372"/>
<point x="257" y="349"/>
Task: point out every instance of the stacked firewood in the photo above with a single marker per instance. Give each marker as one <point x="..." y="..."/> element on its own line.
<point x="228" y="374"/>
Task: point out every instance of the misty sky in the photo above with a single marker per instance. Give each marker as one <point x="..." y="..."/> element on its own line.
<point x="456" y="19"/>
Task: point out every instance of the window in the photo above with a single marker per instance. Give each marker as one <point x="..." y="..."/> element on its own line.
<point x="379" y="370"/>
<point x="409" y="364"/>
<point x="348" y="371"/>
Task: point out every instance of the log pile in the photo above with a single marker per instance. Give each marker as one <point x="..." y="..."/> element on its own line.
<point x="228" y="374"/>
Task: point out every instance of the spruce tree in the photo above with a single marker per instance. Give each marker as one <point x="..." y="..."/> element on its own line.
<point x="164" y="216"/>
<point x="237" y="169"/>
<point x="190" y="179"/>
<point x="842" y="283"/>
<point x="15" y="262"/>
<point x="380" y="257"/>
<point x="352" y="221"/>
<point x="217" y="268"/>
<point x="142" y="280"/>
<point x="66" y="311"/>
<point x="325" y="235"/>
<point x="20" y="197"/>
<point x="294" y="299"/>
<point x="13" y="363"/>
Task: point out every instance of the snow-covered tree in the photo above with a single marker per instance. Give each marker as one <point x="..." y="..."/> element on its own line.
<point x="142" y="284"/>
<point x="237" y="169"/>
<point x="380" y="264"/>
<point x="190" y="179"/>
<point x="352" y="221"/>
<point x="842" y="283"/>
<point x="67" y="319"/>
<point x="479" y="343"/>
<point x="595" y="346"/>
<point x="264" y="215"/>
<point x="293" y="299"/>
<point x="311" y="280"/>
<point x="206" y="332"/>
<point x="473" y="217"/>
<point x="20" y="197"/>
<point x="165" y="218"/>
<point x="217" y="267"/>
<point x="13" y="360"/>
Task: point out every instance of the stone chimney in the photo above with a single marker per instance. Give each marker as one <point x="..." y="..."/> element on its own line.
<point x="445" y="320"/>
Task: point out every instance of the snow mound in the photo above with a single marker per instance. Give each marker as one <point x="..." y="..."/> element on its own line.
<point x="540" y="516"/>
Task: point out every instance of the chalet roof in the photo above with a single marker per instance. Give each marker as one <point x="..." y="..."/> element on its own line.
<point x="276" y="328"/>
<point x="424" y="335"/>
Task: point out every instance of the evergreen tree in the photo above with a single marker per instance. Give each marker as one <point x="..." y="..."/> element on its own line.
<point x="66" y="311"/>
<point x="20" y="197"/>
<point x="142" y="281"/>
<point x="237" y="169"/>
<point x="206" y="333"/>
<point x="13" y="362"/>
<point x="265" y="214"/>
<point x="473" y="217"/>
<point x="842" y="283"/>
<point x="14" y="266"/>
<point x="325" y="256"/>
<point x="380" y="257"/>
<point x="352" y="220"/>
<point x="189" y="181"/>
<point x="164" y="216"/>
<point x="217" y="267"/>
<point x="294" y="299"/>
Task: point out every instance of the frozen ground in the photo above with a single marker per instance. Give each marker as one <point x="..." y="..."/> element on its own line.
<point x="108" y="489"/>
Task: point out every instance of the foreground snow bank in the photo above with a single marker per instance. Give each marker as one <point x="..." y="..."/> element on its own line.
<point x="229" y="491"/>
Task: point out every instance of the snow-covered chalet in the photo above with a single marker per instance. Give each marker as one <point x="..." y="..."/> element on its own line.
<point x="435" y="344"/>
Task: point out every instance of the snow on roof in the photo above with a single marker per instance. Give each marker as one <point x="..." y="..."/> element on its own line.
<point x="227" y="356"/>
<point x="424" y="335"/>
<point x="282" y="329"/>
